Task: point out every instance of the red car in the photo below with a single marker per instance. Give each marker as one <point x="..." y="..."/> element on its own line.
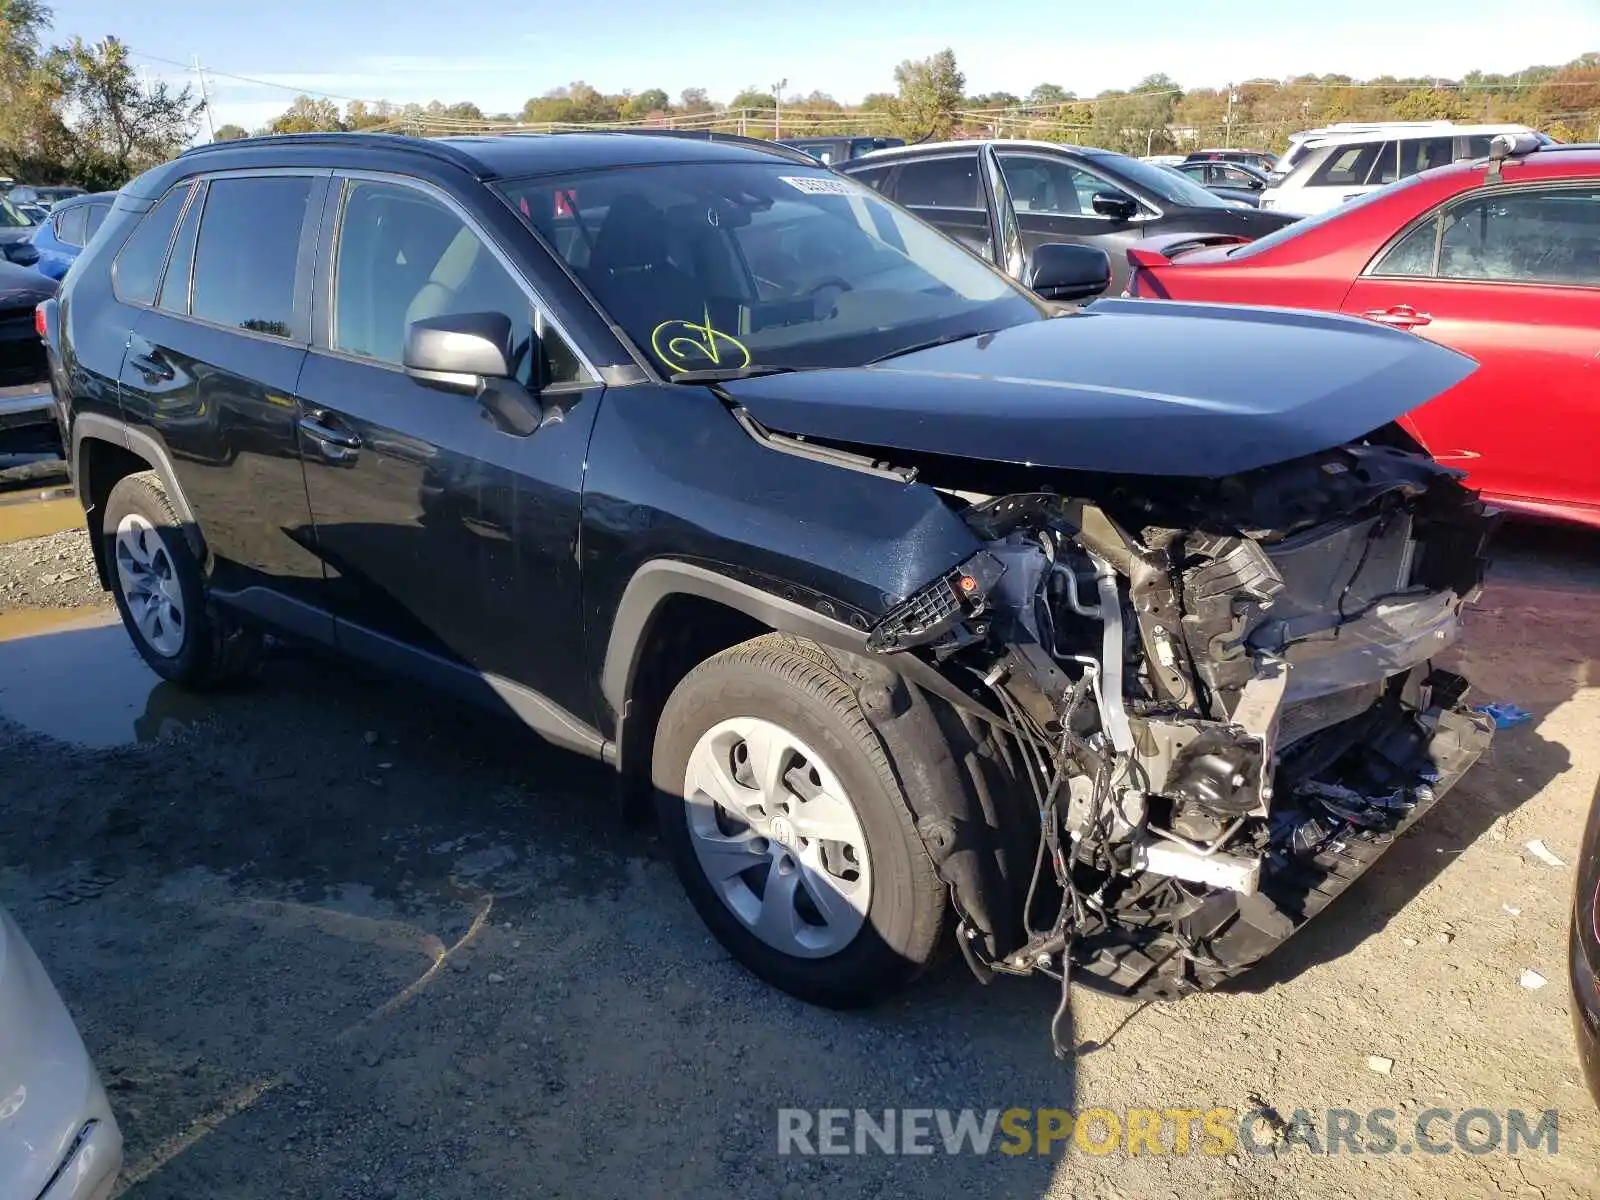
<point x="1498" y="258"/>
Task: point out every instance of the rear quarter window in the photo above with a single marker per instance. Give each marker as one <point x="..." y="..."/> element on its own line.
<point x="1347" y="166"/>
<point x="137" y="270"/>
<point x="874" y="177"/>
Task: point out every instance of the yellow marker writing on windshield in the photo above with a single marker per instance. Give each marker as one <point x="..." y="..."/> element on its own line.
<point x="688" y="346"/>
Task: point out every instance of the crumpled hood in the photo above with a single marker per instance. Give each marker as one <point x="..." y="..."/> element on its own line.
<point x="1141" y="387"/>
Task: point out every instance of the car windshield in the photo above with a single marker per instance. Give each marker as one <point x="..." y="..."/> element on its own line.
<point x="723" y="266"/>
<point x="1171" y="186"/>
<point x="10" y="217"/>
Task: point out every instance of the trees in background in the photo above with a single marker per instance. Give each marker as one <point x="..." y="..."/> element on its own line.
<point x="79" y="113"/>
<point x="306" y="115"/>
<point x="931" y="101"/>
<point x="930" y="94"/>
<point x="119" y="126"/>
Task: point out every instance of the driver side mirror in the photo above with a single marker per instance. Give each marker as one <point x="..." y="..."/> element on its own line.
<point x="473" y="354"/>
<point x="1115" y="205"/>
<point x="1062" y="271"/>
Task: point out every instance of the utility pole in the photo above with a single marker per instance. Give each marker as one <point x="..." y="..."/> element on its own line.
<point x="211" y="125"/>
<point x="1227" y="121"/>
<point x="777" y="108"/>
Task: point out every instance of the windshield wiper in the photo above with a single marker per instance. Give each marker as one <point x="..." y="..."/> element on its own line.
<point x="725" y="374"/>
<point x="942" y="340"/>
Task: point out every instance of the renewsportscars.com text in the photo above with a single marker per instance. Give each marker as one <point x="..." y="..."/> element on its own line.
<point x="1178" y="1131"/>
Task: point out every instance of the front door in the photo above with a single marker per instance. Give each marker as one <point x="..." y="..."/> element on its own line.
<point x="1512" y="278"/>
<point x="1054" y="201"/>
<point x="210" y="372"/>
<point x="448" y="537"/>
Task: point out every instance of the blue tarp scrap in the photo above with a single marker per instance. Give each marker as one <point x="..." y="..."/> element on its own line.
<point x="1505" y="715"/>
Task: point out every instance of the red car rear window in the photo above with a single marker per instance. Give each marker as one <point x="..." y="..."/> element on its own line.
<point x="1278" y="236"/>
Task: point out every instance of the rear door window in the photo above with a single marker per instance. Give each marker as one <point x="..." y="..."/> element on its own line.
<point x="244" y="270"/>
<point x="950" y="182"/>
<point x="1412" y="255"/>
<point x="1423" y="154"/>
<point x="137" y="269"/>
<point x="1348" y="166"/>
<point x="97" y="218"/>
<point x="1385" y="165"/>
<point x="174" y="295"/>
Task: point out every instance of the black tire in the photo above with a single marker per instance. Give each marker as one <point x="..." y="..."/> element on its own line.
<point x="795" y="685"/>
<point x="214" y="649"/>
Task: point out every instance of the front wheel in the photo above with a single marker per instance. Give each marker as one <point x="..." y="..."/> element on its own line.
<point x="789" y="829"/>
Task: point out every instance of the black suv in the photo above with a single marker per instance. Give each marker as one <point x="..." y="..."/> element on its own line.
<point x="1004" y="199"/>
<point x="905" y="595"/>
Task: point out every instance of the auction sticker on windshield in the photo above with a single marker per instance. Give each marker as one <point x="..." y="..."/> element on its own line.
<point x="814" y="185"/>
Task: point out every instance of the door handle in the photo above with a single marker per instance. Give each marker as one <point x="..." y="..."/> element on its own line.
<point x="1399" y="316"/>
<point x="152" y="367"/>
<point x="336" y="445"/>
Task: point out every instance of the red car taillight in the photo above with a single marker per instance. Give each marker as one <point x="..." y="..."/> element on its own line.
<point x="39" y="325"/>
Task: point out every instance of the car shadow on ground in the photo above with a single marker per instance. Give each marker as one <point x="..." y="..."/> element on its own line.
<point x="332" y="928"/>
<point x="247" y="916"/>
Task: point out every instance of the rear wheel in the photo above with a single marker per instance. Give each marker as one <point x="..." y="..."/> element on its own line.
<point x="159" y="589"/>
<point x="788" y="827"/>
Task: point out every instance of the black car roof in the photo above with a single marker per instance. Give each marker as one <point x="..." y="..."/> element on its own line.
<point x="484" y="156"/>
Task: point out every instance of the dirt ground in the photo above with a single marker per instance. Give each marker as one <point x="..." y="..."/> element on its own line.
<point x="326" y="936"/>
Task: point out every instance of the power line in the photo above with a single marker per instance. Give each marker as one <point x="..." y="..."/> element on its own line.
<point x="287" y="87"/>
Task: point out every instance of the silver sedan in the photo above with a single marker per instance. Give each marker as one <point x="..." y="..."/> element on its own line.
<point x="58" y="1139"/>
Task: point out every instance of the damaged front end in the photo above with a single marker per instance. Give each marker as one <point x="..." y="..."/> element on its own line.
<point x="1218" y="693"/>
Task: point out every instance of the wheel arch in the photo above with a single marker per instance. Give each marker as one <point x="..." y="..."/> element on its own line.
<point x="950" y="753"/>
<point x="674" y="615"/>
<point x="105" y="450"/>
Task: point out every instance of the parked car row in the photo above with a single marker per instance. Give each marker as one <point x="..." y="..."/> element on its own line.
<point x="1004" y="199"/>
<point x="1498" y="258"/>
<point x="1325" y="169"/>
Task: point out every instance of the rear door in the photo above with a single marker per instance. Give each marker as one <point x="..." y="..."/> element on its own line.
<point x="211" y="370"/>
<point x="1510" y="276"/>
<point x="947" y="191"/>
<point x="450" y="541"/>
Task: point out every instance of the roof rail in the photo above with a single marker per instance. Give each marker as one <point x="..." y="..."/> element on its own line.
<point x="442" y="151"/>
<point x="712" y="135"/>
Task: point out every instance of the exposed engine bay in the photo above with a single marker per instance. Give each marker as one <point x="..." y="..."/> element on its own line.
<point x="1219" y="692"/>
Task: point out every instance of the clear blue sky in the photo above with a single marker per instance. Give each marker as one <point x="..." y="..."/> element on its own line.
<point x="499" y="52"/>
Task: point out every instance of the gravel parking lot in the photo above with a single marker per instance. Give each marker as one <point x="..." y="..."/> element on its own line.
<point x="327" y="936"/>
